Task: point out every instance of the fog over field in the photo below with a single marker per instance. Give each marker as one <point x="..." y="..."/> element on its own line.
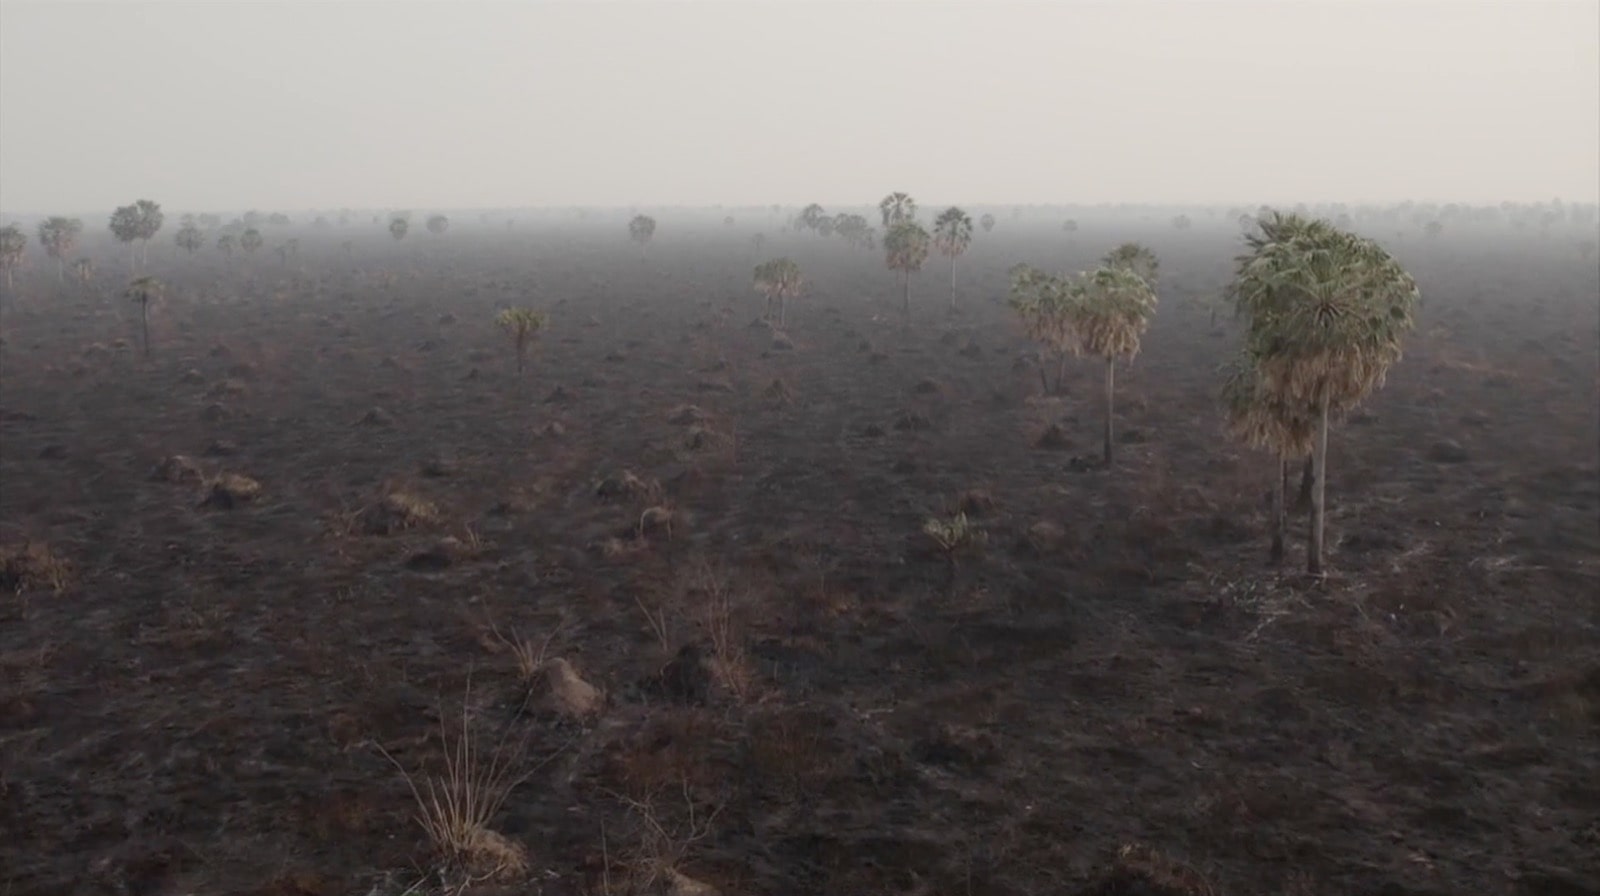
<point x="462" y="105"/>
<point x="800" y="449"/>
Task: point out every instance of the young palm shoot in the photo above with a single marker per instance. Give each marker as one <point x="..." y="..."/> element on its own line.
<point x="779" y="280"/>
<point x="144" y="291"/>
<point x="952" y="234"/>
<point x="1326" y="312"/>
<point x="1110" y="311"/>
<point x="522" y="324"/>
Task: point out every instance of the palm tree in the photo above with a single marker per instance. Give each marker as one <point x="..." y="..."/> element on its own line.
<point x="251" y="240"/>
<point x="399" y="227"/>
<point x="952" y="234"/>
<point x="226" y="244"/>
<point x="778" y="280"/>
<point x="906" y="248"/>
<point x="757" y="240"/>
<point x="1070" y="226"/>
<point x="145" y="290"/>
<point x="59" y="236"/>
<point x="1136" y="258"/>
<point x="896" y="208"/>
<point x="1111" y="309"/>
<point x="189" y="238"/>
<point x="1257" y="418"/>
<point x="522" y="324"/>
<point x="811" y="217"/>
<point x="1326" y="312"/>
<point x="986" y="222"/>
<point x="13" y="242"/>
<point x="438" y="224"/>
<point x="1045" y="305"/>
<point x="139" y="221"/>
<point x="640" y="230"/>
<point x="855" y="230"/>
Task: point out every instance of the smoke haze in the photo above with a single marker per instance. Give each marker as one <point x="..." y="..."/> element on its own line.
<point x="295" y="105"/>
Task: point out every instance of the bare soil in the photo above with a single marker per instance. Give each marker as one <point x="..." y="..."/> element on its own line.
<point x="198" y="691"/>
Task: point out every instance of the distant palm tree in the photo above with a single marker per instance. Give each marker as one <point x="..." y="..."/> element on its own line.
<point x="906" y="248"/>
<point x="251" y="240"/>
<point x="522" y="324"/>
<point x="13" y="243"/>
<point x="144" y="291"/>
<point x="640" y="230"/>
<point x="952" y="234"/>
<point x="986" y="222"/>
<point x="897" y="208"/>
<point x="1111" y="309"/>
<point x="226" y="244"/>
<point x="1136" y="258"/>
<point x="1326" y="312"/>
<point x="189" y="238"/>
<point x="139" y="221"/>
<point x="757" y="240"/>
<point x="779" y="280"/>
<point x="811" y="218"/>
<point x="438" y="224"/>
<point x="1044" y="303"/>
<point x="399" y="227"/>
<point x="854" y="229"/>
<point x="58" y="236"/>
<point x="1070" y="225"/>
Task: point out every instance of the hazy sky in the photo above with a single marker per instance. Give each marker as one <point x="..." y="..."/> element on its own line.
<point x="231" y="104"/>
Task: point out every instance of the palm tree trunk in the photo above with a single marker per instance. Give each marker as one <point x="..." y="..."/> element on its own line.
<point x="952" y="283"/>
<point x="1307" y="476"/>
<point x="1061" y="372"/>
<point x="780" y="312"/>
<point x="1319" y="460"/>
<point x="905" y="292"/>
<point x="61" y="269"/>
<point x="1280" y="485"/>
<point x="1111" y="403"/>
<point x="144" y="324"/>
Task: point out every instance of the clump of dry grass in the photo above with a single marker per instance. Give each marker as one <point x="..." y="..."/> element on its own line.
<point x="397" y="511"/>
<point x="31" y="566"/>
<point x="713" y="597"/>
<point x="456" y="805"/>
<point x="230" y="490"/>
<point x="660" y="848"/>
<point x="955" y="536"/>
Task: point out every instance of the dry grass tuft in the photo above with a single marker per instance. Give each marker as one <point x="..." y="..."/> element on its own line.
<point x="230" y="490"/>
<point x="456" y="805"/>
<point x="31" y="566"/>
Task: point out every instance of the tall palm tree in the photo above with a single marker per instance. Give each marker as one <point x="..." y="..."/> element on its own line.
<point x="1136" y="258"/>
<point x="13" y="242"/>
<point x="906" y="248"/>
<point x="640" y="230"/>
<point x="1257" y="418"/>
<point x="144" y="291"/>
<point x="1111" y="309"/>
<point x="59" y="236"/>
<point x="1326" y="312"/>
<point x="897" y="208"/>
<point x="779" y="280"/>
<point x="952" y="234"/>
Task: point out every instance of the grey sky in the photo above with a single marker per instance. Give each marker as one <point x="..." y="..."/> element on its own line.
<point x="446" y="105"/>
